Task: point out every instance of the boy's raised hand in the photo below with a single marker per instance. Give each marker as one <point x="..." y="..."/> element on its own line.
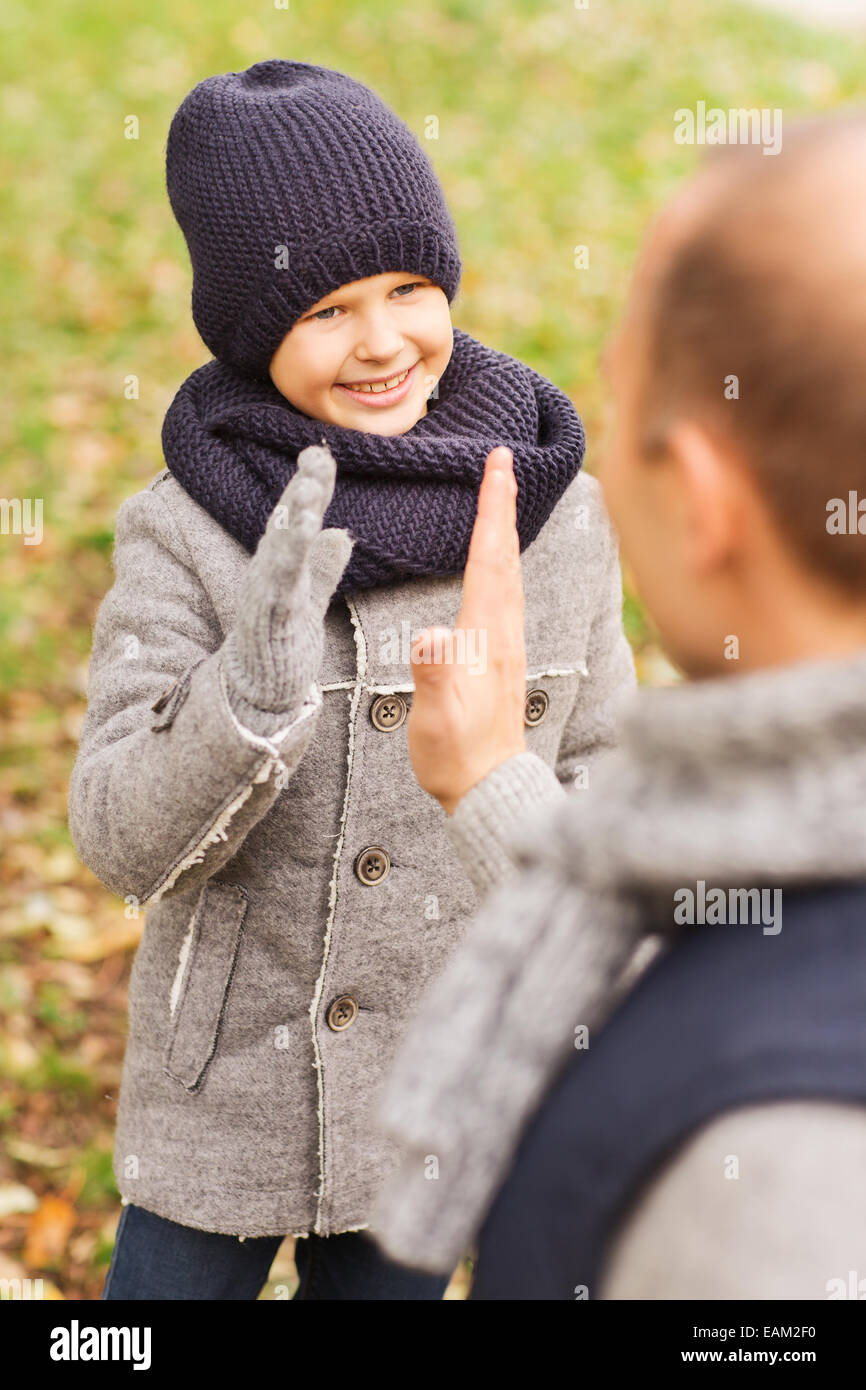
<point x="274" y="651"/>
<point x="467" y="713"/>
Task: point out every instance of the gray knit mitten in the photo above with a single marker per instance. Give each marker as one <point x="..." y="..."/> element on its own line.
<point x="273" y="653"/>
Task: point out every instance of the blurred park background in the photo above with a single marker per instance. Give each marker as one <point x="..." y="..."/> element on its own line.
<point x="555" y="128"/>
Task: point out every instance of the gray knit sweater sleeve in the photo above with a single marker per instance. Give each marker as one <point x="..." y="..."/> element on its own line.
<point x="488" y="818"/>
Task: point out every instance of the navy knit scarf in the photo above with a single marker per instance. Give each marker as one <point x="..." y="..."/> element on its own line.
<point x="409" y="501"/>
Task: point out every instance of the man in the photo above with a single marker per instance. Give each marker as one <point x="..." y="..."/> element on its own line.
<point x="642" y="1075"/>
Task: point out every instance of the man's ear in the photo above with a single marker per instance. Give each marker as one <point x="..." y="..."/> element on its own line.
<point x="713" y="489"/>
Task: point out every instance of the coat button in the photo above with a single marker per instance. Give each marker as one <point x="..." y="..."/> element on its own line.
<point x="388" y="711"/>
<point x="342" y="1013"/>
<point x="373" y="864"/>
<point x="537" y="702"/>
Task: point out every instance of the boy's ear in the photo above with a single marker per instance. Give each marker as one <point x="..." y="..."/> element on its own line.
<point x="715" y="497"/>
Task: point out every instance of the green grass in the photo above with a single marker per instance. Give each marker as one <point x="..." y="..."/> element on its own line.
<point x="555" y="129"/>
<point x="54" y="1072"/>
<point x="100" y="1184"/>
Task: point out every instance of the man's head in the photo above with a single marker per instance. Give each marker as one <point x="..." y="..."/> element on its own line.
<point x="374" y="330"/>
<point x="738" y="372"/>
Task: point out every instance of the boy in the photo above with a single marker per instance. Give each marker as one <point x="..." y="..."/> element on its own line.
<point x="243" y="771"/>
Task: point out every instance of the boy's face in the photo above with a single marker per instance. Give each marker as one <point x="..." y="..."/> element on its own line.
<point x="371" y="330"/>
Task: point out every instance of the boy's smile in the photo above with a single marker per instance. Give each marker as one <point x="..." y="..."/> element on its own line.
<point x="379" y="391"/>
<point x="369" y="355"/>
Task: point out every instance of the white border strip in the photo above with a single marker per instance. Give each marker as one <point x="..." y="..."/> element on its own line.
<point x="361" y="647"/>
<point x="392" y="689"/>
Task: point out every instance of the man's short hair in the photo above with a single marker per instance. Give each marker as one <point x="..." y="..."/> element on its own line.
<point x="757" y="330"/>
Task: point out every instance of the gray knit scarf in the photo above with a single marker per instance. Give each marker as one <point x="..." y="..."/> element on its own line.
<point x="744" y="781"/>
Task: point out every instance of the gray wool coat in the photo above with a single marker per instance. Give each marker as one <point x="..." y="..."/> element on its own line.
<point x="300" y="891"/>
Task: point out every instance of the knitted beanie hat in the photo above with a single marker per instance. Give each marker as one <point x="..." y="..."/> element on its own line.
<point x="289" y="180"/>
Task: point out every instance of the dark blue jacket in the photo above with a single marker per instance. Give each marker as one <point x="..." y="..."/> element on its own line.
<point x="727" y="1017"/>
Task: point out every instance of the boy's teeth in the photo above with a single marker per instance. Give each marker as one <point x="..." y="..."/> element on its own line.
<point x="384" y="385"/>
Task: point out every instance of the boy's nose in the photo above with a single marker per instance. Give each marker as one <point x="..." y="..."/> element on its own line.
<point x="378" y="339"/>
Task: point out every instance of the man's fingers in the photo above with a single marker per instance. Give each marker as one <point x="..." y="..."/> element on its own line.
<point x="436" y="676"/>
<point x="492" y="580"/>
<point x="431" y="655"/>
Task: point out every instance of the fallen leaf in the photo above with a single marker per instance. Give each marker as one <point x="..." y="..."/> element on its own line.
<point x="48" y="1232"/>
<point x="37" y="1155"/>
<point x="124" y="937"/>
<point x="14" y="1197"/>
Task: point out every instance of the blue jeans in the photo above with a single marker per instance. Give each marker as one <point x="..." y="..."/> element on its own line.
<point x="155" y="1258"/>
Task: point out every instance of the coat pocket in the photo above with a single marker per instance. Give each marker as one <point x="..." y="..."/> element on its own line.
<point x="215" y="932"/>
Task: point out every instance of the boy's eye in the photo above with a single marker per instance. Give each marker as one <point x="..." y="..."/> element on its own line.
<point x="326" y="314"/>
